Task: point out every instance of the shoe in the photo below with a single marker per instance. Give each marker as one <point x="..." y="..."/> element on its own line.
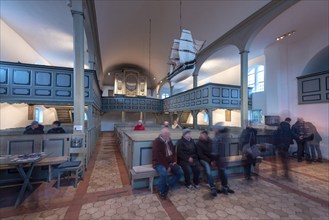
<point x="197" y="187"/>
<point x="189" y="187"/>
<point x="223" y="190"/>
<point x="213" y="191"/>
<point x="163" y="196"/>
<point x="229" y="190"/>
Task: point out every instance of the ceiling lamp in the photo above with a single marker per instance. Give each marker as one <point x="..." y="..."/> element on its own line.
<point x="286" y="35"/>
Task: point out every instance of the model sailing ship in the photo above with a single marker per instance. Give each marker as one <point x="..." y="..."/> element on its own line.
<point x="182" y="56"/>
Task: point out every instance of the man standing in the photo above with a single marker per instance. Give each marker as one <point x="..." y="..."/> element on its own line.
<point x="299" y="133"/>
<point x="188" y="159"/>
<point x="284" y="138"/>
<point x="164" y="162"/>
<point x="220" y="142"/>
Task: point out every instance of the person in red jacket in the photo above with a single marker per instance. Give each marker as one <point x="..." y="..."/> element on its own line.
<point x="139" y="126"/>
<point x="164" y="162"/>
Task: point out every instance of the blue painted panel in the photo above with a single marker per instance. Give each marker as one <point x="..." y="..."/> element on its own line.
<point x="3" y="91"/>
<point x="225" y="101"/>
<point x="198" y="94"/>
<point x="215" y="92"/>
<point x="42" y="92"/>
<point x="216" y="101"/>
<point x="86" y="94"/>
<point x="63" y="80"/>
<point x="145" y="155"/>
<point x="43" y="79"/>
<point x="307" y="98"/>
<point x="21" y="77"/>
<point x="142" y="102"/>
<point x="63" y="93"/>
<point x="3" y="76"/>
<point x="225" y="93"/>
<point x="327" y="83"/>
<point x="198" y="102"/>
<point x="205" y="101"/>
<point x="21" y="147"/>
<point x="234" y="102"/>
<point x="21" y="91"/>
<point x="192" y="95"/>
<point x="53" y="147"/>
<point x="205" y="93"/>
<point x="86" y="81"/>
<point x="312" y="85"/>
<point x="234" y="93"/>
<point x="187" y="97"/>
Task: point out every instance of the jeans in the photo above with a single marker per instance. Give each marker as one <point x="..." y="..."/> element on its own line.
<point x="221" y="165"/>
<point x="164" y="179"/>
<point x="302" y="148"/>
<point x="207" y="167"/>
<point x="188" y="169"/>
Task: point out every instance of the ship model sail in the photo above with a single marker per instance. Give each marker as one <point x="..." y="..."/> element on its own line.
<point x="183" y="53"/>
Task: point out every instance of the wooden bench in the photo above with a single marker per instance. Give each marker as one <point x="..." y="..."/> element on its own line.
<point x="148" y="172"/>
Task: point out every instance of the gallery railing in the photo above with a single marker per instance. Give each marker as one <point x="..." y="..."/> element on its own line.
<point x="131" y="104"/>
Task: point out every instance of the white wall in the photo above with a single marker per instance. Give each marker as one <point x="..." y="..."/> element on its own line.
<point x="219" y="116"/>
<point x="16" y="115"/>
<point x="14" y="48"/>
<point x="284" y="62"/>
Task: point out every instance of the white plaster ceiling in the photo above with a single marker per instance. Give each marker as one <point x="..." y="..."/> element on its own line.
<point x="46" y="25"/>
<point x="124" y="29"/>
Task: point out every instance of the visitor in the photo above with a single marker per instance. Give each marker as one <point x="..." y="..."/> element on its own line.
<point x="139" y="126"/>
<point x="34" y="128"/>
<point x="164" y="162"/>
<point x="56" y="129"/>
<point x="188" y="159"/>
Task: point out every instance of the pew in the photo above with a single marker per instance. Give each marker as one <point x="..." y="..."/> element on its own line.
<point x="147" y="171"/>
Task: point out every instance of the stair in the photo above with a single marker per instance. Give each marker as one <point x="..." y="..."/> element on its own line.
<point x="184" y="117"/>
<point x="64" y="115"/>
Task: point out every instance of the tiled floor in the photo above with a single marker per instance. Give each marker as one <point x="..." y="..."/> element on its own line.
<point x="105" y="194"/>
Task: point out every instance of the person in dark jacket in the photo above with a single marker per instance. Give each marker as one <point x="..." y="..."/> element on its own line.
<point x="34" y="128"/>
<point x="221" y="140"/>
<point x="164" y="162"/>
<point x="284" y="138"/>
<point x="57" y="129"/>
<point x="248" y="136"/>
<point x="299" y="134"/>
<point x="314" y="144"/>
<point x="188" y="159"/>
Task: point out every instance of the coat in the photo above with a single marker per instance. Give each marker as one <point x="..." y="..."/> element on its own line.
<point x="58" y="130"/>
<point x="30" y="130"/>
<point x="204" y="149"/>
<point x="284" y="135"/>
<point x="185" y="150"/>
<point x="159" y="156"/>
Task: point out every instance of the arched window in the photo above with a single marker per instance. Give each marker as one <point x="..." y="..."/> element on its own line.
<point x="164" y="95"/>
<point x="256" y="78"/>
<point x="39" y="114"/>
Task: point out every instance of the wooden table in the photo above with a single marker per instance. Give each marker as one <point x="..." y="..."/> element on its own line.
<point x="7" y="162"/>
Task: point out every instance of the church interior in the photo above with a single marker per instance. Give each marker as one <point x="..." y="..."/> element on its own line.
<point x="88" y="86"/>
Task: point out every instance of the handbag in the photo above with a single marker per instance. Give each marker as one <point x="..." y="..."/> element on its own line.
<point x="252" y="151"/>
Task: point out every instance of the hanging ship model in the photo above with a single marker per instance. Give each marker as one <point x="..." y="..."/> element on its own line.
<point x="182" y="56"/>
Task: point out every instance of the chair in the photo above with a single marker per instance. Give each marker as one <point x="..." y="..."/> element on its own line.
<point x="70" y="166"/>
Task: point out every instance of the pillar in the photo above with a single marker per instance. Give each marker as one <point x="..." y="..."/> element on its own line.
<point x="210" y="119"/>
<point x="195" y="80"/>
<point x="244" y="88"/>
<point x="171" y="90"/>
<point x="141" y="116"/>
<point x="195" y="118"/>
<point x="123" y="117"/>
<point x="78" y="73"/>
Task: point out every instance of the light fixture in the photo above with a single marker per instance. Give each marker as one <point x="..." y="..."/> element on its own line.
<point x="108" y="73"/>
<point x="286" y="35"/>
<point x="161" y="81"/>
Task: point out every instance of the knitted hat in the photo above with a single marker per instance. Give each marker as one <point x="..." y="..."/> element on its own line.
<point x="186" y="130"/>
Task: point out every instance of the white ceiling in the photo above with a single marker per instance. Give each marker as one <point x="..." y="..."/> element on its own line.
<point x="124" y="29"/>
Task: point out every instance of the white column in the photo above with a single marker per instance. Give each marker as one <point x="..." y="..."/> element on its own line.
<point x="78" y="43"/>
<point x="195" y="80"/>
<point x="244" y="88"/>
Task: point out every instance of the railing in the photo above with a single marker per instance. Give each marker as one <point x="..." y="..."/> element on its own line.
<point x="208" y="96"/>
<point x="131" y="104"/>
<point x="37" y="84"/>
